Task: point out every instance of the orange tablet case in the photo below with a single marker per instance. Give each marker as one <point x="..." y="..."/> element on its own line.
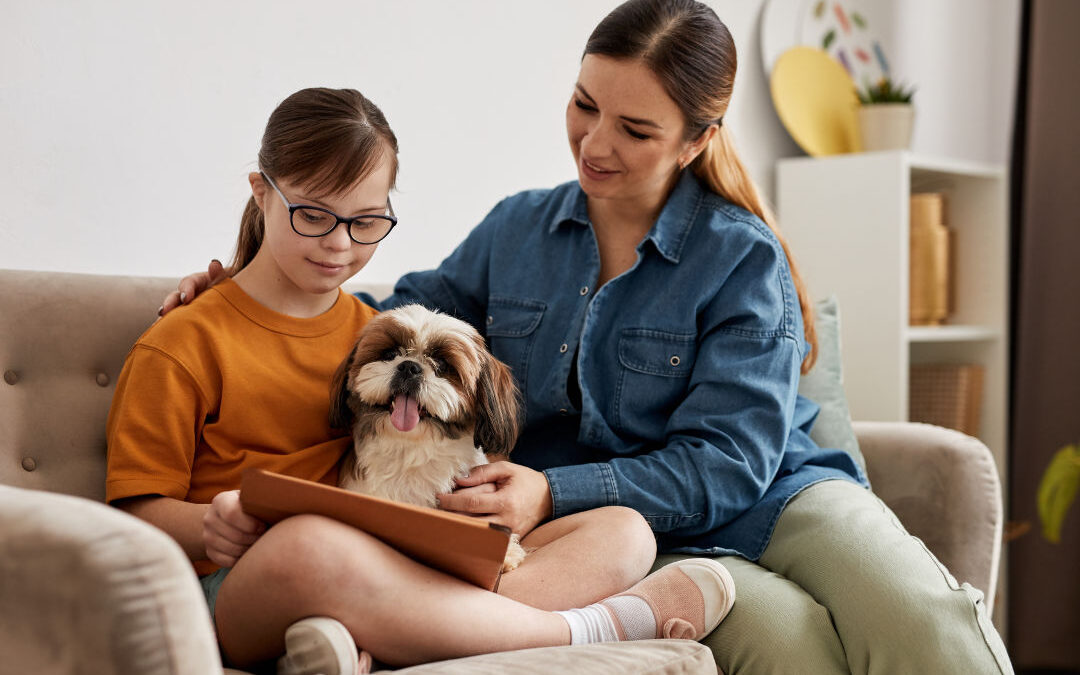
<point x="468" y="548"/>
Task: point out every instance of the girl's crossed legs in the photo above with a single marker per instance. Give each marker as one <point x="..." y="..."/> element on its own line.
<point x="403" y="612"/>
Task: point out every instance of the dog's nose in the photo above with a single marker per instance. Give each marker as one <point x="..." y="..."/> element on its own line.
<point x="409" y="368"/>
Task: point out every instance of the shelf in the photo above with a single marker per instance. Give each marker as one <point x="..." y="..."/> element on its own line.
<point x="952" y="334"/>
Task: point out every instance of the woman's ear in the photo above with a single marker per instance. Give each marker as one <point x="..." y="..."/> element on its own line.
<point x="258" y="189"/>
<point x="694" y="147"/>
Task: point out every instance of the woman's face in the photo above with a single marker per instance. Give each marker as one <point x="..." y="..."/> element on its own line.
<point x="318" y="265"/>
<point x="626" y="133"/>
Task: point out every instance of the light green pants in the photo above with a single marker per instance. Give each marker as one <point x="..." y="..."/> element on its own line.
<point x="843" y="588"/>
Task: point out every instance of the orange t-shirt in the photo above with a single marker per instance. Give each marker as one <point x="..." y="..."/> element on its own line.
<point x="224" y="385"/>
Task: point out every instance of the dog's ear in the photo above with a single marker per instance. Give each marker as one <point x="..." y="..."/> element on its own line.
<point x="498" y="417"/>
<point x="341" y="415"/>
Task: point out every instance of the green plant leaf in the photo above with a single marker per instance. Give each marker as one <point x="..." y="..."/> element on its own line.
<point x="1057" y="490"/>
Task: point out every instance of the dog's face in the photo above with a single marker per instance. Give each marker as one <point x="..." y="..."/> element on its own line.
<point x="421" y="374"/>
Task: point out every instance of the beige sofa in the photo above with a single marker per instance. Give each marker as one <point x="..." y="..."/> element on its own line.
<point x="85" y="588"/>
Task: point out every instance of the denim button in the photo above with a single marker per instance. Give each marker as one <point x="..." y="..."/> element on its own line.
<point x="675" y="360"/>
<point x="563" y="411"/>
<point x="563" y="348"/>
<point x="584" y="290"/>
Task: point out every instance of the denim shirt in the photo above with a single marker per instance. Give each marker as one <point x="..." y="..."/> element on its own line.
<point x="688" y="362"/>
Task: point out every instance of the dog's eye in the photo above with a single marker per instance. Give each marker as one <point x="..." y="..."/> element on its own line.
<point x="389" y="354"/>
<point x="441" y="366"/>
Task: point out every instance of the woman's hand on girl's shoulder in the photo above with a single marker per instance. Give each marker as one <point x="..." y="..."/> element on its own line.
<point x="228" y="532"/>
<point x="192" y="285"/>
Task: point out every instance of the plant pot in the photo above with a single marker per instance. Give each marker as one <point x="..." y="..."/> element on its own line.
<point x="886" y="126"/>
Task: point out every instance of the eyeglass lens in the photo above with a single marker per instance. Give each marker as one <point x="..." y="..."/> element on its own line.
<point x="311" y="222"/>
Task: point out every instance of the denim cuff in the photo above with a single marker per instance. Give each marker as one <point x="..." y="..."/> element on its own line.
<point x="581" y="487"/>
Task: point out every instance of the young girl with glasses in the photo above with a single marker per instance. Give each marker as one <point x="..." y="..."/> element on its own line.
<point x="241" y="379"/>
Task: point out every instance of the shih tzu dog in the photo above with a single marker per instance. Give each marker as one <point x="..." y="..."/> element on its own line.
<point x="426" y="402"/>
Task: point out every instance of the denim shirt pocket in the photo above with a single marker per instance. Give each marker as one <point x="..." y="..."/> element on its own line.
<point x="653" y="379"/>
<point x="511" y="329"/>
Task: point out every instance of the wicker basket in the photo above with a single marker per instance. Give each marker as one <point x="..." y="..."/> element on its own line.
<point x="946" y="395"/>
<point x="928" y="294"/>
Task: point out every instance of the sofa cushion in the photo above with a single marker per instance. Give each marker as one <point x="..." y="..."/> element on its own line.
<point x="824" y="385"/>
<point x="644" y="657"/>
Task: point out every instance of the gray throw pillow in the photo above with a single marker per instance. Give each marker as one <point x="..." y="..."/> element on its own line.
<point x="824" y="385"/>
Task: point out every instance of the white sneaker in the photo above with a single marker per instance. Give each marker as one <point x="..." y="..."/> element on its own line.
<point x="319" y="645"/>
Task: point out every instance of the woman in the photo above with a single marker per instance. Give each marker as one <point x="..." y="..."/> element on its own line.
<point x="657" y="328"/>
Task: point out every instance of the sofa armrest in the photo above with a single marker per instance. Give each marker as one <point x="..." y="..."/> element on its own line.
<point x="86" y="588"/>
<point x="943" y="486"/>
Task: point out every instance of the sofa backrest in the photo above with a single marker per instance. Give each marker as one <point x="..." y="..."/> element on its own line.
<point x="63" y="341"/>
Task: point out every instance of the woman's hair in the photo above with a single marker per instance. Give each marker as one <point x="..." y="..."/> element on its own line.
<point x="327" y="139"/>
<point x="687" y="46"/>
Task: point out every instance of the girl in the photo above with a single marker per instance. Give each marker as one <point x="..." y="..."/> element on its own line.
<point x="242" y="379"/>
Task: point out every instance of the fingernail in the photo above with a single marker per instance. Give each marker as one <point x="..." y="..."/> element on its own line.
<point x="183" y="297"/>
<point x="161" y="310"/>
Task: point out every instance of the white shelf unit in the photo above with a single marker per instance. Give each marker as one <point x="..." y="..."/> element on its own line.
<point x="847" y="219"/>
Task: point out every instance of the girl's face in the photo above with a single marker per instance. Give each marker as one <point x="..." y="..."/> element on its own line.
<point x="626" y="133"/>
<point x="316" y="265"/>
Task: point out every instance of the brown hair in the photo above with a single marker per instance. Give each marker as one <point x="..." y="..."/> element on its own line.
<point x="326" y="138"/>
<point x="687" y="46"/>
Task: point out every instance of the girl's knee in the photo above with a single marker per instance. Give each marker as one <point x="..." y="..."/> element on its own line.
<point x="627" y="525"/>
<point x="305" y="548"/>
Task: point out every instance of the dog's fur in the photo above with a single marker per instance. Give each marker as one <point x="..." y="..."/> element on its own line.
<point x="456" y="405"/>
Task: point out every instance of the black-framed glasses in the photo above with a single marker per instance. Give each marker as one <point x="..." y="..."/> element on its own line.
<point x="315" y="221"/>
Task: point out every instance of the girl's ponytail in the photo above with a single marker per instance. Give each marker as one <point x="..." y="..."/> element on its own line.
<point x="720" y="168"/>
<point x="250" y="238"/>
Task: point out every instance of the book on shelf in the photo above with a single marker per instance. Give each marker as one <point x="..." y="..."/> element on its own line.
<point x="467" y="548"/>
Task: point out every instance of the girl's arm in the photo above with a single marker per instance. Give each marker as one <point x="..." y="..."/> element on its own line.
<point x="219" y="531"/>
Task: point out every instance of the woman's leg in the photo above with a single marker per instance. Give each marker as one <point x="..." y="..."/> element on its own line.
<point x="582" y="558"/>
<point x="895" y="607"/>
<point x="775" y="627"/>
<point x="399" y="610"/>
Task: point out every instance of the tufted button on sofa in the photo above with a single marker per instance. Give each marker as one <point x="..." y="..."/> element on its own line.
<point x="85" y="588"/>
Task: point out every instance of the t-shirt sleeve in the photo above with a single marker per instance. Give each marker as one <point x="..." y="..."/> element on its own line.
<point x="153" y="428"/>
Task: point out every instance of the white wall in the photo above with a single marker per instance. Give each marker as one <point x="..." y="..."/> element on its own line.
<point x="127" y="128"/>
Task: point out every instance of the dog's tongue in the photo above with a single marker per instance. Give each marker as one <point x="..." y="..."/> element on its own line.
<point x="406" y="413"/>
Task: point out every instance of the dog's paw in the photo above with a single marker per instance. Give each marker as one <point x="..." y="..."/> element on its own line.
<point x="514" y="554"/>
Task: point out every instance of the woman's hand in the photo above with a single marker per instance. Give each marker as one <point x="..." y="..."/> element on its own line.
<point x="504" y="493"/>
<point x="228" y="532"/>
<point x="192" y="285"/>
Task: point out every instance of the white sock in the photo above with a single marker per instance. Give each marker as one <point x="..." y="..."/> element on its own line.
<point x="596" y="623"/>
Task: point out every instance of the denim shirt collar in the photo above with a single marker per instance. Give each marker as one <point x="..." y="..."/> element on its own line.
<point x="669" y="233"/>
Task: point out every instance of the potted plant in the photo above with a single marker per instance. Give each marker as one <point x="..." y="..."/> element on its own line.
<point x="886" y="116"/>
<point x="1058" y="489"/>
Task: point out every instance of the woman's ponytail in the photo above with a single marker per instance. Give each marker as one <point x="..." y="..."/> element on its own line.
<point x="720" y="168"/>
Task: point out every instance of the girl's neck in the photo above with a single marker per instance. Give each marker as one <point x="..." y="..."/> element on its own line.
<point x="275" y="291"/>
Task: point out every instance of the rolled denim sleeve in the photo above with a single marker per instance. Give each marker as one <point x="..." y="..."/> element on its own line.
<point x="581" y="487"/>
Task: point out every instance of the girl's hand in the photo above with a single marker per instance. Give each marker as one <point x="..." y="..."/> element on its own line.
<point x="504" y="493"/>
<point x="192" y="285"/>
<point x="227" y="531"/>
